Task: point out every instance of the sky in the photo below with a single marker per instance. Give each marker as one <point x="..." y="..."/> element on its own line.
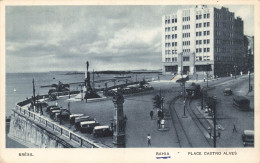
<point x="63" y="38"/>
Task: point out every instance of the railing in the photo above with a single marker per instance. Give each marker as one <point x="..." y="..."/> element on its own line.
<point x="83" y="142"/>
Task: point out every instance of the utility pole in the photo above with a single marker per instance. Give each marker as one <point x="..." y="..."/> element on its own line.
<point x="33" y="93"/>
<point x="214" y="120"/>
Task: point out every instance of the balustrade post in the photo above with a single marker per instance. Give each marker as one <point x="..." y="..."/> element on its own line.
<point x="81" y="142"/>
<point x="61" y="131"/>
<point x="53" y="126"/>
<point x="70" y="135"/>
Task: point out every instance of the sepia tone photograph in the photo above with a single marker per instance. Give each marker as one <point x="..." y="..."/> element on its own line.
<point x="130" y="76"/>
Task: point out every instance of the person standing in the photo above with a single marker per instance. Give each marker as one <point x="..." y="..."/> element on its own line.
<point x="151" y="114"/>
<point x="234" y="128"/>
<point x="159" y="123"/>
<point x="149" y="140"/>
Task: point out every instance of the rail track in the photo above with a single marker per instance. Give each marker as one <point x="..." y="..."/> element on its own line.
<point x="183" y="137"/>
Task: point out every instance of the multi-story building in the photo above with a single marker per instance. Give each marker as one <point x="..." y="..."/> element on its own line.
<point x="202" y="39"/>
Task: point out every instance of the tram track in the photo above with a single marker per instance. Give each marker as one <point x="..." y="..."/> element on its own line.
<point x="178" y="126"/>
<point x="200" y="122"/>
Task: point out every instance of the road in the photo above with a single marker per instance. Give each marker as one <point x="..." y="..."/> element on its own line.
<point x="194" y="128"/>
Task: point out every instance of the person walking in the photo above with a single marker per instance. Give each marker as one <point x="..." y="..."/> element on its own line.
<point x="234" y="128"/>
<point x="149" y="140"/>
<point x="159" y="123"/>
<point x="151" y="114"/>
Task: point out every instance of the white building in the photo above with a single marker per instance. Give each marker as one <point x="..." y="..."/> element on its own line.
<point x="202" y="39"/>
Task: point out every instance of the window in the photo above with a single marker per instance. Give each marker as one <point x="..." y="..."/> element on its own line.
<point x="197" y="17"/>
<point x="175" y="28"/>
<point x="207" y="24"/>
<point x="208" y="15"/>
<point x="200" y="16"/>
<point x="205" y="41"/>
<point x="205" y="16"/>
<point x="186" y="59"/>
<point x="208" y="33"/>
<point x="205" y="33"/>
<point x="200" y="25"/>
<point x="168" y="21"/>
<point x="197" y="42"/>
<point x="200" y="41"/>
<point x="207" y="49"/>
<point x="172" y="20"/>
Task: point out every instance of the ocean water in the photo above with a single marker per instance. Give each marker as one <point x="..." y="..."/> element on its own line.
<point x="22" y="83"/>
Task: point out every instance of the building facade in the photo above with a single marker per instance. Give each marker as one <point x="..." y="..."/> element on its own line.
<point x="202" y="39"/>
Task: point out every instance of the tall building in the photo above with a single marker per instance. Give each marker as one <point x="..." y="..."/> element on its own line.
<point x="202" y="39"/>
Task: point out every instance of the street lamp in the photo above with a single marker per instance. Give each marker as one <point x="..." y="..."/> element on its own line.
<point x="235" y="67"/>
<point x="207" y="75"/>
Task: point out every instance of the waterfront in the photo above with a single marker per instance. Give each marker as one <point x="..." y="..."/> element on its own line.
<point x="22" y="83"/>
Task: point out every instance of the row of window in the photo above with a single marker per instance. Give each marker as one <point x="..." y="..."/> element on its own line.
<point x="199" y="50"/>
<point x="186" y="43"/>
<point x="219" y="58"/>
<point x="200" y="16"/>
<point x="199" y="42"/>
<point x="186" y="50"/>
<point x="170" y="51"/>
<point x="185" y="35"/>
<point x="168" y="21"/>
<point x="186" y="26"/>
<point x="168" y="29"/>
<point x="199" y="25"/>
<point x="186" y="19"/>
<point x="174" y="59"/>
<point x="174" y="36"/>
<point x="205" y="33"/>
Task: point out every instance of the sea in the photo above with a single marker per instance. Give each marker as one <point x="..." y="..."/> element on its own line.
<point x="19" y="86"/>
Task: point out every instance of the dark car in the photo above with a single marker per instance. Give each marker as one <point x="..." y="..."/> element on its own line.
<point x="81" y="119"/>
<point x="73" y="116"/>
<point x="88" y="126"/>
<point x="102" y="131"/>
<point x="227" y="92"/>
<point x="248" y="138"/>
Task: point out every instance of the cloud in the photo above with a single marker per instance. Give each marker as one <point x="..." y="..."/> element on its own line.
<point x="56" y="38"/>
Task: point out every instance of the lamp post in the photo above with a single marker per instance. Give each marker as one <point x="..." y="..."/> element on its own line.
<point x="207" y="75"/>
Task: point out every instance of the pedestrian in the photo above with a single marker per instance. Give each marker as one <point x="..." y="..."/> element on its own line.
<point x="204" y="79"/>
<point x="210" y="135"/>
<point x="219" y="134"/>
<point x="234" y="128"/>
<point x="149" y="140"/>
<point x="159" y="123"/>
<point x="151" y="114"/>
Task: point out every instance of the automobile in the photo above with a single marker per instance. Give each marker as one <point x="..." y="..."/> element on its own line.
<point x="102" y="131"/>
<point x="81" y="119"/>
<point x="51" y="108"/>
<point x="64" y="114"/>
<point x="73" y="116"/>
<point x="227" y="92"/>
<point x="248" y="138"/>
<point x="53" y="112"/>
<point x="88" y="126"/>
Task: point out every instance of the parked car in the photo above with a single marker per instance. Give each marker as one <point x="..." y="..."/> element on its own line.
<point x="248" y="138"/>
<point x="73" y="116"/>
<point x="101" y="131"/>
<point x="81" y="119"/>
<point x="88" y="126"/>
<point x="227" y="92"/>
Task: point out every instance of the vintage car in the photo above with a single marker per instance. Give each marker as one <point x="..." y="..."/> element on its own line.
<point x="52" y="114"/>
<point x="81" y="119"/>
<point x="88" y="126"/>
<point x="248" y="138"/>
<point x="73" y="116"/>
<point x="101" y="131"/>
<point x="227" y="92"/>
<point x="53" y="107"/>
<point x="64" y="114"/>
